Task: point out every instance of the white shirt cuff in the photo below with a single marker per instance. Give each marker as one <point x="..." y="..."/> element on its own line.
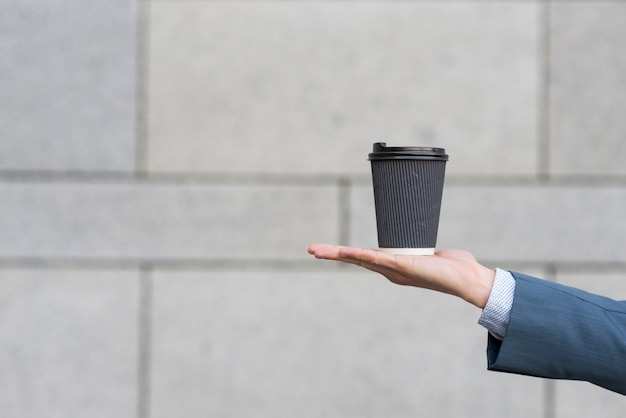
<point x="497" y="311"/>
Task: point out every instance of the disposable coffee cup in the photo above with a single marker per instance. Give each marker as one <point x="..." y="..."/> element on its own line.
<point x="408" y="187"/>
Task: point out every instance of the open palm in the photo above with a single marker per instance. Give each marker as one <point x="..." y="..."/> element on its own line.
<point x="455" y="272"/>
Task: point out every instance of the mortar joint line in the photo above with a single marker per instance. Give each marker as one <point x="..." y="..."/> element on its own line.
<point x="144" y="340"/>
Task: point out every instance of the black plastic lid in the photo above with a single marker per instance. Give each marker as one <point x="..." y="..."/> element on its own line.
<point x="382" y="152"/>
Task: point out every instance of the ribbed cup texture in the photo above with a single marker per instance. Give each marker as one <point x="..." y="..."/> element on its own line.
<point x="407" y="195"/>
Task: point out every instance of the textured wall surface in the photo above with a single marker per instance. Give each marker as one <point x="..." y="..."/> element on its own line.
<point x="164" y="165"/>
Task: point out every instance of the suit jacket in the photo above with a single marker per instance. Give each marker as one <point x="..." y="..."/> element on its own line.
<point x="560" y="332"/>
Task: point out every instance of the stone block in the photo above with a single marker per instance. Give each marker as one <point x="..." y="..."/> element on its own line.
<point x="307" y="87"/>
<point x="579" y="398"/>
<point x="587" y="77"/>
<point x="68" y="343"/>
<point x="337" y="344"/>
<point x="68" y="85"/>
<point x="164" y="221"/>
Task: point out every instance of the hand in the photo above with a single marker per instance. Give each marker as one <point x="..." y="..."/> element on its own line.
<point x="455" y="272"/>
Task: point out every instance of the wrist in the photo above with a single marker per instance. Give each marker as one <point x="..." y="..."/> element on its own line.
<point x="482" y="286"/>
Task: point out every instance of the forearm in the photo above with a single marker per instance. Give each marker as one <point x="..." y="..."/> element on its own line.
<point x="556" y="331"/>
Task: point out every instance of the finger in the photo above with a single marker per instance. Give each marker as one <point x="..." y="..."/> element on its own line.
<point x="367" y="256"/>
<point x="314" y="247"/>
<point x="370" y="259"/>
<point x="325" y="251"/>
<point x="374" y="260"/>
<point x="350" y="255"/>
<point x="386" y="267"/>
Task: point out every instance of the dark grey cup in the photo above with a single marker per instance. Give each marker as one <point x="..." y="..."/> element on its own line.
<point x="408" y="187"/>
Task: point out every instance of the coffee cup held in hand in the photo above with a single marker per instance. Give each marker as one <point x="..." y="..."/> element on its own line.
<point x="408" y="188"/>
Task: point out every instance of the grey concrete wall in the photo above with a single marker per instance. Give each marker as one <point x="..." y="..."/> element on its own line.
<point x="164" y="165"/>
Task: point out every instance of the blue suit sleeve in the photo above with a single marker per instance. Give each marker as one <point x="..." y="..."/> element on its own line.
<point x="560" y="332"/>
